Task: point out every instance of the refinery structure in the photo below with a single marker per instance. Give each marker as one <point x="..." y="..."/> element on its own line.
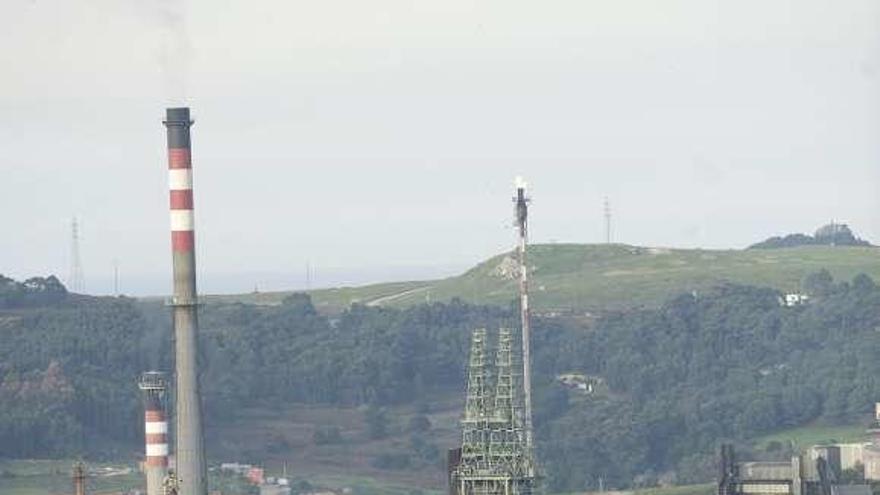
<point x="497" y="456"/>
<point x="497" y="449"/>
<point x="819" y="470"/>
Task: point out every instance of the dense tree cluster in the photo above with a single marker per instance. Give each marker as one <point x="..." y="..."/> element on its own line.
<point x="67" y="377"/>
<point x="363" y="356"/>
<point x="36" y="291"/>
<point x="833" y="234"/>
<point x="730" y="363"/>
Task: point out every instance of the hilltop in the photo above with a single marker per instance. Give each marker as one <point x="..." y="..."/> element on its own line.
<point x="833" y="234"/>
<point x="568" y="277"/>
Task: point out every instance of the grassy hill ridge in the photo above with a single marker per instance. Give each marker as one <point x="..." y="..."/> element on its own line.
<point x="596" y="277"/>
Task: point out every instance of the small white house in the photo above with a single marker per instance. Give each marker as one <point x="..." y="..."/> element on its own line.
<point x="795" y="299"/>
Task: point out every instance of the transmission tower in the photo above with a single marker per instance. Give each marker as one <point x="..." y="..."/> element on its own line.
<point x="76" y="279"/>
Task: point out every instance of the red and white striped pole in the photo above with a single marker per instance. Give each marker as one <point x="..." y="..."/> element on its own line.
<point x="153" y="386"/>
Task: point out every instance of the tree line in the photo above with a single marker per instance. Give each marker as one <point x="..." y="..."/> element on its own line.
<point x="731" y="363"/>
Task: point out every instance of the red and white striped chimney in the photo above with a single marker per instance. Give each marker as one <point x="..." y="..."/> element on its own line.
<point x="156" y="429"/>
<point x="189" y="452"/>
<point x="153" y="386"/>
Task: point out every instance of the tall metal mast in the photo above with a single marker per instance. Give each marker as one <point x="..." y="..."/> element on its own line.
<point x="522" y="213"/>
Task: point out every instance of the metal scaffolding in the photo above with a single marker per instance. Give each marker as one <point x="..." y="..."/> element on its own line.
<point x="495" y="459"/>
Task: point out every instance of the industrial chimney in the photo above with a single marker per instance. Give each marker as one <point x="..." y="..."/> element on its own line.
<point x="79" y="478"/>
<point x="153" y="388"/>
<point x="189" y="452"/>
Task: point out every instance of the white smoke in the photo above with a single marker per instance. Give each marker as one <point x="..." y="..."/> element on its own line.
<point x="174" y="48"/>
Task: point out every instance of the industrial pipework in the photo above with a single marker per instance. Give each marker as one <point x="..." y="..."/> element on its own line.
<point x="190" y="452"/>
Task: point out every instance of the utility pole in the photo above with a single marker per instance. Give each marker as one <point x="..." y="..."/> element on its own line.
<point x="833" y="233"/>
<point x="607" y="221"/>
<point x="76" y="279"/>
<point x="116" y="278"/>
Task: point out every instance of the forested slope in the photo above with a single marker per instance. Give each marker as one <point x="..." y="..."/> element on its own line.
<point x="730" y="363"/>
<point x="724" y="363"/>
<point x="67" y="369"/>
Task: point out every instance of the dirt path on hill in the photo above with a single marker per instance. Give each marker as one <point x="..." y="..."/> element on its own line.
<point x="379" y="301"/>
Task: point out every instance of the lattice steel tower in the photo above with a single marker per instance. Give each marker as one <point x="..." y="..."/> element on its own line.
<point x="474" y="424"/>
<point x="494" y="458"/>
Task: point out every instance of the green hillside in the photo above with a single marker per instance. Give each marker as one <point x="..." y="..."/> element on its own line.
<point x="329" y="300"/>
<point x="803" y="437"/>
<point x="375" y="393"/>
<point x="577" y="276"/>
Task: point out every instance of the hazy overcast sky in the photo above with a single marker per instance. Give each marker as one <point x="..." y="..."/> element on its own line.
<point x="379" y="139"/>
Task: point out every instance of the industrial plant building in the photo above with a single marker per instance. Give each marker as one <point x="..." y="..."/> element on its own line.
<point x="817" y="471"/>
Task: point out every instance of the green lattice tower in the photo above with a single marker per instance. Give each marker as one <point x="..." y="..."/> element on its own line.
<point x="506" y="428"/>
<point x="477" y="411"/>
<point x="476" y="473"/>
<point x="508" y="447"/>
<point x="494" y="458"/>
